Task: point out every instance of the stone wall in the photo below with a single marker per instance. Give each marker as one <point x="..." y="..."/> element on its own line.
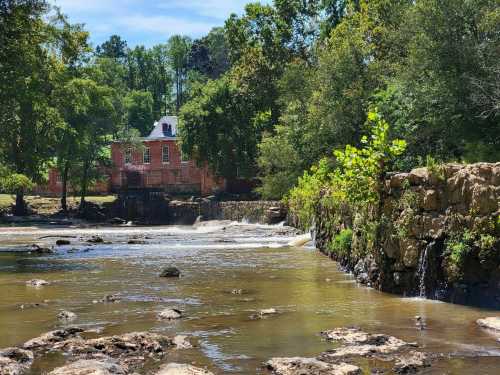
<point x="161" y="211"/>
<point x="437" y="235"/>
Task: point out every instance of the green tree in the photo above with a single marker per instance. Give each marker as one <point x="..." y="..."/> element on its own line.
<point x="115" y="48"/>
<point x="28" y="74"/>
<point x="178" y="48"/>
<point x="139" y="105"/>
<point x="90" y="116"/>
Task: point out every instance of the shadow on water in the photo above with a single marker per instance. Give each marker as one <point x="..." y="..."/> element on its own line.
<point x="22" y="263"/>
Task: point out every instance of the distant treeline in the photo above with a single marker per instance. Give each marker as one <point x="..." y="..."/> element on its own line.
<point x="267" y="95"/>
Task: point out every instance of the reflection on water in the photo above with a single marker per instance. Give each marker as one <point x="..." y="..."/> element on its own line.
<point x="216" y="259"/>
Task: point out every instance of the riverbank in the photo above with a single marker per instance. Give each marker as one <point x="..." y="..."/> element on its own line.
<point x="144" y="209"/>
<point x="248" y="302"/>
<point x="437" y="235"/>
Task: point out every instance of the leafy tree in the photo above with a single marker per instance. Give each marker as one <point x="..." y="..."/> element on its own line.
<point x="139" y="106"/>
<point x="210" y="55"/>
<point x="178" y="48"/>
<point x="89" y="112"/>
<point x="114" y="48"/>
<point x="28" y="73"/>
<point x="279" y="165"/>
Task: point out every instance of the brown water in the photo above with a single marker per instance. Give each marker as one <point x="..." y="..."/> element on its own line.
<point x="306" y="287"/>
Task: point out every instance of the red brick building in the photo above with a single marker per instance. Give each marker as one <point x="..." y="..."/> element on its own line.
<point x="159" y="165"/>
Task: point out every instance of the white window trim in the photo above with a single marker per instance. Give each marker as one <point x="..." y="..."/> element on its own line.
<point x="162" y="154"/>
<point x="144" y="155"/>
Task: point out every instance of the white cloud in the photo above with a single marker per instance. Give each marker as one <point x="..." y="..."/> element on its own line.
<point x="149" y="21"/>
<point x="164" y="25"/>
<point x="218" y="9"/>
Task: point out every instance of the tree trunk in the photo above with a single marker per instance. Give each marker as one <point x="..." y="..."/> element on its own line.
<point x="83" y="191"/>
<point x="64" y="193"/>
<point x="20" y="208"/>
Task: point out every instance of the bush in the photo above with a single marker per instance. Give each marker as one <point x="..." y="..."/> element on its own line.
<point x="341" y="244"/>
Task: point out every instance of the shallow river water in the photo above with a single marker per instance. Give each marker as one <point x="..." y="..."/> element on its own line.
<point x="215" y="259"/>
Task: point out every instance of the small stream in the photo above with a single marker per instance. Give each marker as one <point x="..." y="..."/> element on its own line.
<point x="217" y="260"/>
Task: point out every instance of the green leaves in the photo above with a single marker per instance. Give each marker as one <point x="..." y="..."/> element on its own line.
<point x="355" y="180"/>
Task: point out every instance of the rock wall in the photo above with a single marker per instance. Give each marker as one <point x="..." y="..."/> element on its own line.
<point x="436" y="235"/>
<point x="158" y="210"/>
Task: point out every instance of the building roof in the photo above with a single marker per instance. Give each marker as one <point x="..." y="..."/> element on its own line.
<point x="165" y="128"/>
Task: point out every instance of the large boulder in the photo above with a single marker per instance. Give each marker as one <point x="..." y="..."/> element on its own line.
<point x="91" y="367"/>
<point x="492" y="323"/>
<point x="15" y="361"/>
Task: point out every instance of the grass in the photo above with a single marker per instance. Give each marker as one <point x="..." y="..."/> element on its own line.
<point x="47" y="205"/>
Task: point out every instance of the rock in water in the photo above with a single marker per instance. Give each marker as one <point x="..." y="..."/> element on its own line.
<point x="170" y="272"/>
<point x="91" y="367"/>
<point x="264" y="313"/>
<point x="66" y="315"/>
<point x="63" y="242"/>
<point x="181" y="342"/>
<point x="411" y="362"/>
<point x="170" y="314"/>
<point x="15" y="361"/>
<point x="95" y="239"/>
<point x="309" y="366"/>
<point x="181" y="369"/>
<point x="37" y="283"/>
<point x="48" y="339"/>
<point x="41" y="250"/>
<point x="492" y="323"/>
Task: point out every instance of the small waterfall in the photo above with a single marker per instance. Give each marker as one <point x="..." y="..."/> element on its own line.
<point x="423" y="266"/>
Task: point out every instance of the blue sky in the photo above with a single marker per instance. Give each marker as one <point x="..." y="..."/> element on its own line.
<point x="149" y="22"/>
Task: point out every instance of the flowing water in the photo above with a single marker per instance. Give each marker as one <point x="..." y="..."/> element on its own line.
<point x="215" y="260"/>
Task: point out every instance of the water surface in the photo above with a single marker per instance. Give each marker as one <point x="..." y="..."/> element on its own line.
<point x="217" y="260"/>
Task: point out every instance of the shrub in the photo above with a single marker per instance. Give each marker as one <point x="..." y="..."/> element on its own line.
<point x="341" y="244"/>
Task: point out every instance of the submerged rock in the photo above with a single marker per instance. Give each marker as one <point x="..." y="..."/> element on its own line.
<point x="264" y="313"/>
<point x="66" y="315"/>
<point x="95" y="239"/>
<point x="492" y="323"/>
<point x="37" y="283"/>
<point x="91" y="367"/>
<point x="63" y="242"/>
<point x="306" y="366"/>
<point x="182" y="369"/>
<point x="41" y="250"/>
<point x="109" y="298"/>
<point x="170" y="272"/>
<point x="170" y="314"/>
<point x="15" y="361"/>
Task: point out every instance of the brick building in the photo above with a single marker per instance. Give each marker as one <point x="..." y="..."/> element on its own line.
<point x="156" y="166"/>
<point x="160" y="165"/>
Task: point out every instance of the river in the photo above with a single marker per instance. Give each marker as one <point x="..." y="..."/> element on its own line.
<point x="229" y="271"/>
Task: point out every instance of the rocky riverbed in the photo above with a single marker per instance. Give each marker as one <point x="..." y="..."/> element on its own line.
<point x="216" y="298"/>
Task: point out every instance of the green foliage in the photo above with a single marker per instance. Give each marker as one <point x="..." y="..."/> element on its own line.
<point x="355" y="181"/>
<point x="279" y="165"/>
<point x="14" y="182"/>
<point x="341" y="243"/>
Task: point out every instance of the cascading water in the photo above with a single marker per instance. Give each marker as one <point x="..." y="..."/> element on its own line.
<point x="423" y="266"/>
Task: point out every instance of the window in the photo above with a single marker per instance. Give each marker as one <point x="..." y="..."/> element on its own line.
<point x="165" y="154"/>
<point x="146" y="155"/>
<point x="184" y="157"/>
<point x="128" y="156"/>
